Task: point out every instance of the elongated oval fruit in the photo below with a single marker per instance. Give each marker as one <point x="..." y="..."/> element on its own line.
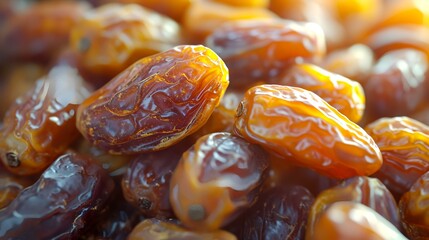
<point x="304" y="129"/>
<point x="156" y="102"/>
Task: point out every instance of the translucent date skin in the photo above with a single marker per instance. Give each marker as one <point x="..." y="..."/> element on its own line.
<point x="396" y="85"/>
<point x="404" y="144"/>
<point x="354" y="221"/>
<point x="111" y="37"/>
<point x="155" y="102"/>
<point x="146" y="182"/>
<point x="414" y="207"/>
<point x="256" y="50"/>
<point x="11" y="186"/>
<point x="154" y="229"/>
<point x="365" y="190"/>
<point x="344" y="94"/>
<point x="62" y="204"/>
<point x="40" y="31"/>
<point x="301" y="127"/>
<point x="216" y="179"/>
<point x="41" y="125"/>
<point x="280" y="214"/>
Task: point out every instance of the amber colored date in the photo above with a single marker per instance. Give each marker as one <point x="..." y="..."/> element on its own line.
<point x="256" y="50"/>
<point x="404" y="144"/>
<point x="62" y="204"/>
<point x="216" y="179"/>
<point x="305" y="130"/>
<point x="280" y="214"/>
<point x="368" y="191"/>
<point x="156" y="102"/>
<point x="344" y="94"/>
<point x="354" y="221"/>
<point x="11" y="186"/>
<point x="41" y="125"/>
<point x="245" y="3"/>
<point x="40" y="31"/>
<point x="414" y="207"/>
<point x="154" y="229"/>
<point x="396" y="85"/>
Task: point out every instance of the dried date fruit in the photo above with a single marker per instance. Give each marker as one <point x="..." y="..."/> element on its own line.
<point x="414" y="208"/>
<point x="365" y="190"/>
<point x="41" y="125"/>
<point x="305" y="130"/>
<point x="112" y="37"/>
<point x="245" y="3"/>
<point x="281" y="213"/>
<point x="344" y="94"/>
<point x="146" y="182"/>
<point x="396" y="85"/>
<point x="354" y="221"/>
<point x="62" y="204"/>
<point x="156" y="102"/>
<point x="40" y="31"/>
<point x="216" y="179"/>
<point x="258" y="50"/>
<point x="153" y="229"/>
<point x="404" y="144"/>
<point x="11" y="186"/>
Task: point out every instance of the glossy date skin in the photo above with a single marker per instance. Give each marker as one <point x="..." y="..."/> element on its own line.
<point x="256" y="50"/>
<point x="365" y="190"/>
<point x="301" y="127"/>
<point x="111" y="37"/>
<point x="156" y="102"/>
<point x="41" y="125"/>
<point x="354" y="221"/>
<point x="11" y="186"/>
<point x="414" y="208"/>
<point x="62" y="204"/>
<point x="404" y="144"/>
<point x="280" y="214"/>
<point x="216" y="179"/>
<point x="344" y="94"/>
<point x="154" y="229"/>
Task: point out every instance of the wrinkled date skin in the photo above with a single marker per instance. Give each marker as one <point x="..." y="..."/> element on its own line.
<point x="414" y="208"/>
<point x="40" y="31"/>
<point x="11" y="186"/>
<point x="404" y="144"/>
<point x="396" y="85"/>
<point x="261" y="49"/>
<point x="62" y="204"/>
<point x="305" y="130"/>
<point x="110" y="38"/>
<point x="146" y="182"/>
<point x="216" y="179"/>
<point x="354" y="221"/>
<point x="280" y="214"/>
<point x="154" y="229"/>
<point x="156" y="102"/>
<point x="41" y="125"/>
<point x="346" y="95"/>
<point x="368" y="191"/>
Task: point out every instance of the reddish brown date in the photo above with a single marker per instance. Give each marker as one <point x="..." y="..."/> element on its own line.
<point x="396" y="85"/>
<point x="154" y="229"/>
<point x="280" y="214"/>
<point x="414" y="208"/>
<point x="354" y="221"/>
<point x="368" y="191"/>
<point x="216" y="179"/>
<point x="42" y="124"/>
<point x="62" y="204"/>
<point x="11" y="186"/>
<point x="256" y="50"/>
<point x="156" y="102"/>
<point x="404" y="144"/>
<point x="305" y="130"/>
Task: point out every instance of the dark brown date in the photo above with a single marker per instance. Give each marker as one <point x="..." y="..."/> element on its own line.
<point x="11" y="186"/>
<point x="281" y="213"/>
<point x="62" y="204"/>
<point x="42" y="124"/>
<point x="216" y="179"/>
<point x="156" y="102"/>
